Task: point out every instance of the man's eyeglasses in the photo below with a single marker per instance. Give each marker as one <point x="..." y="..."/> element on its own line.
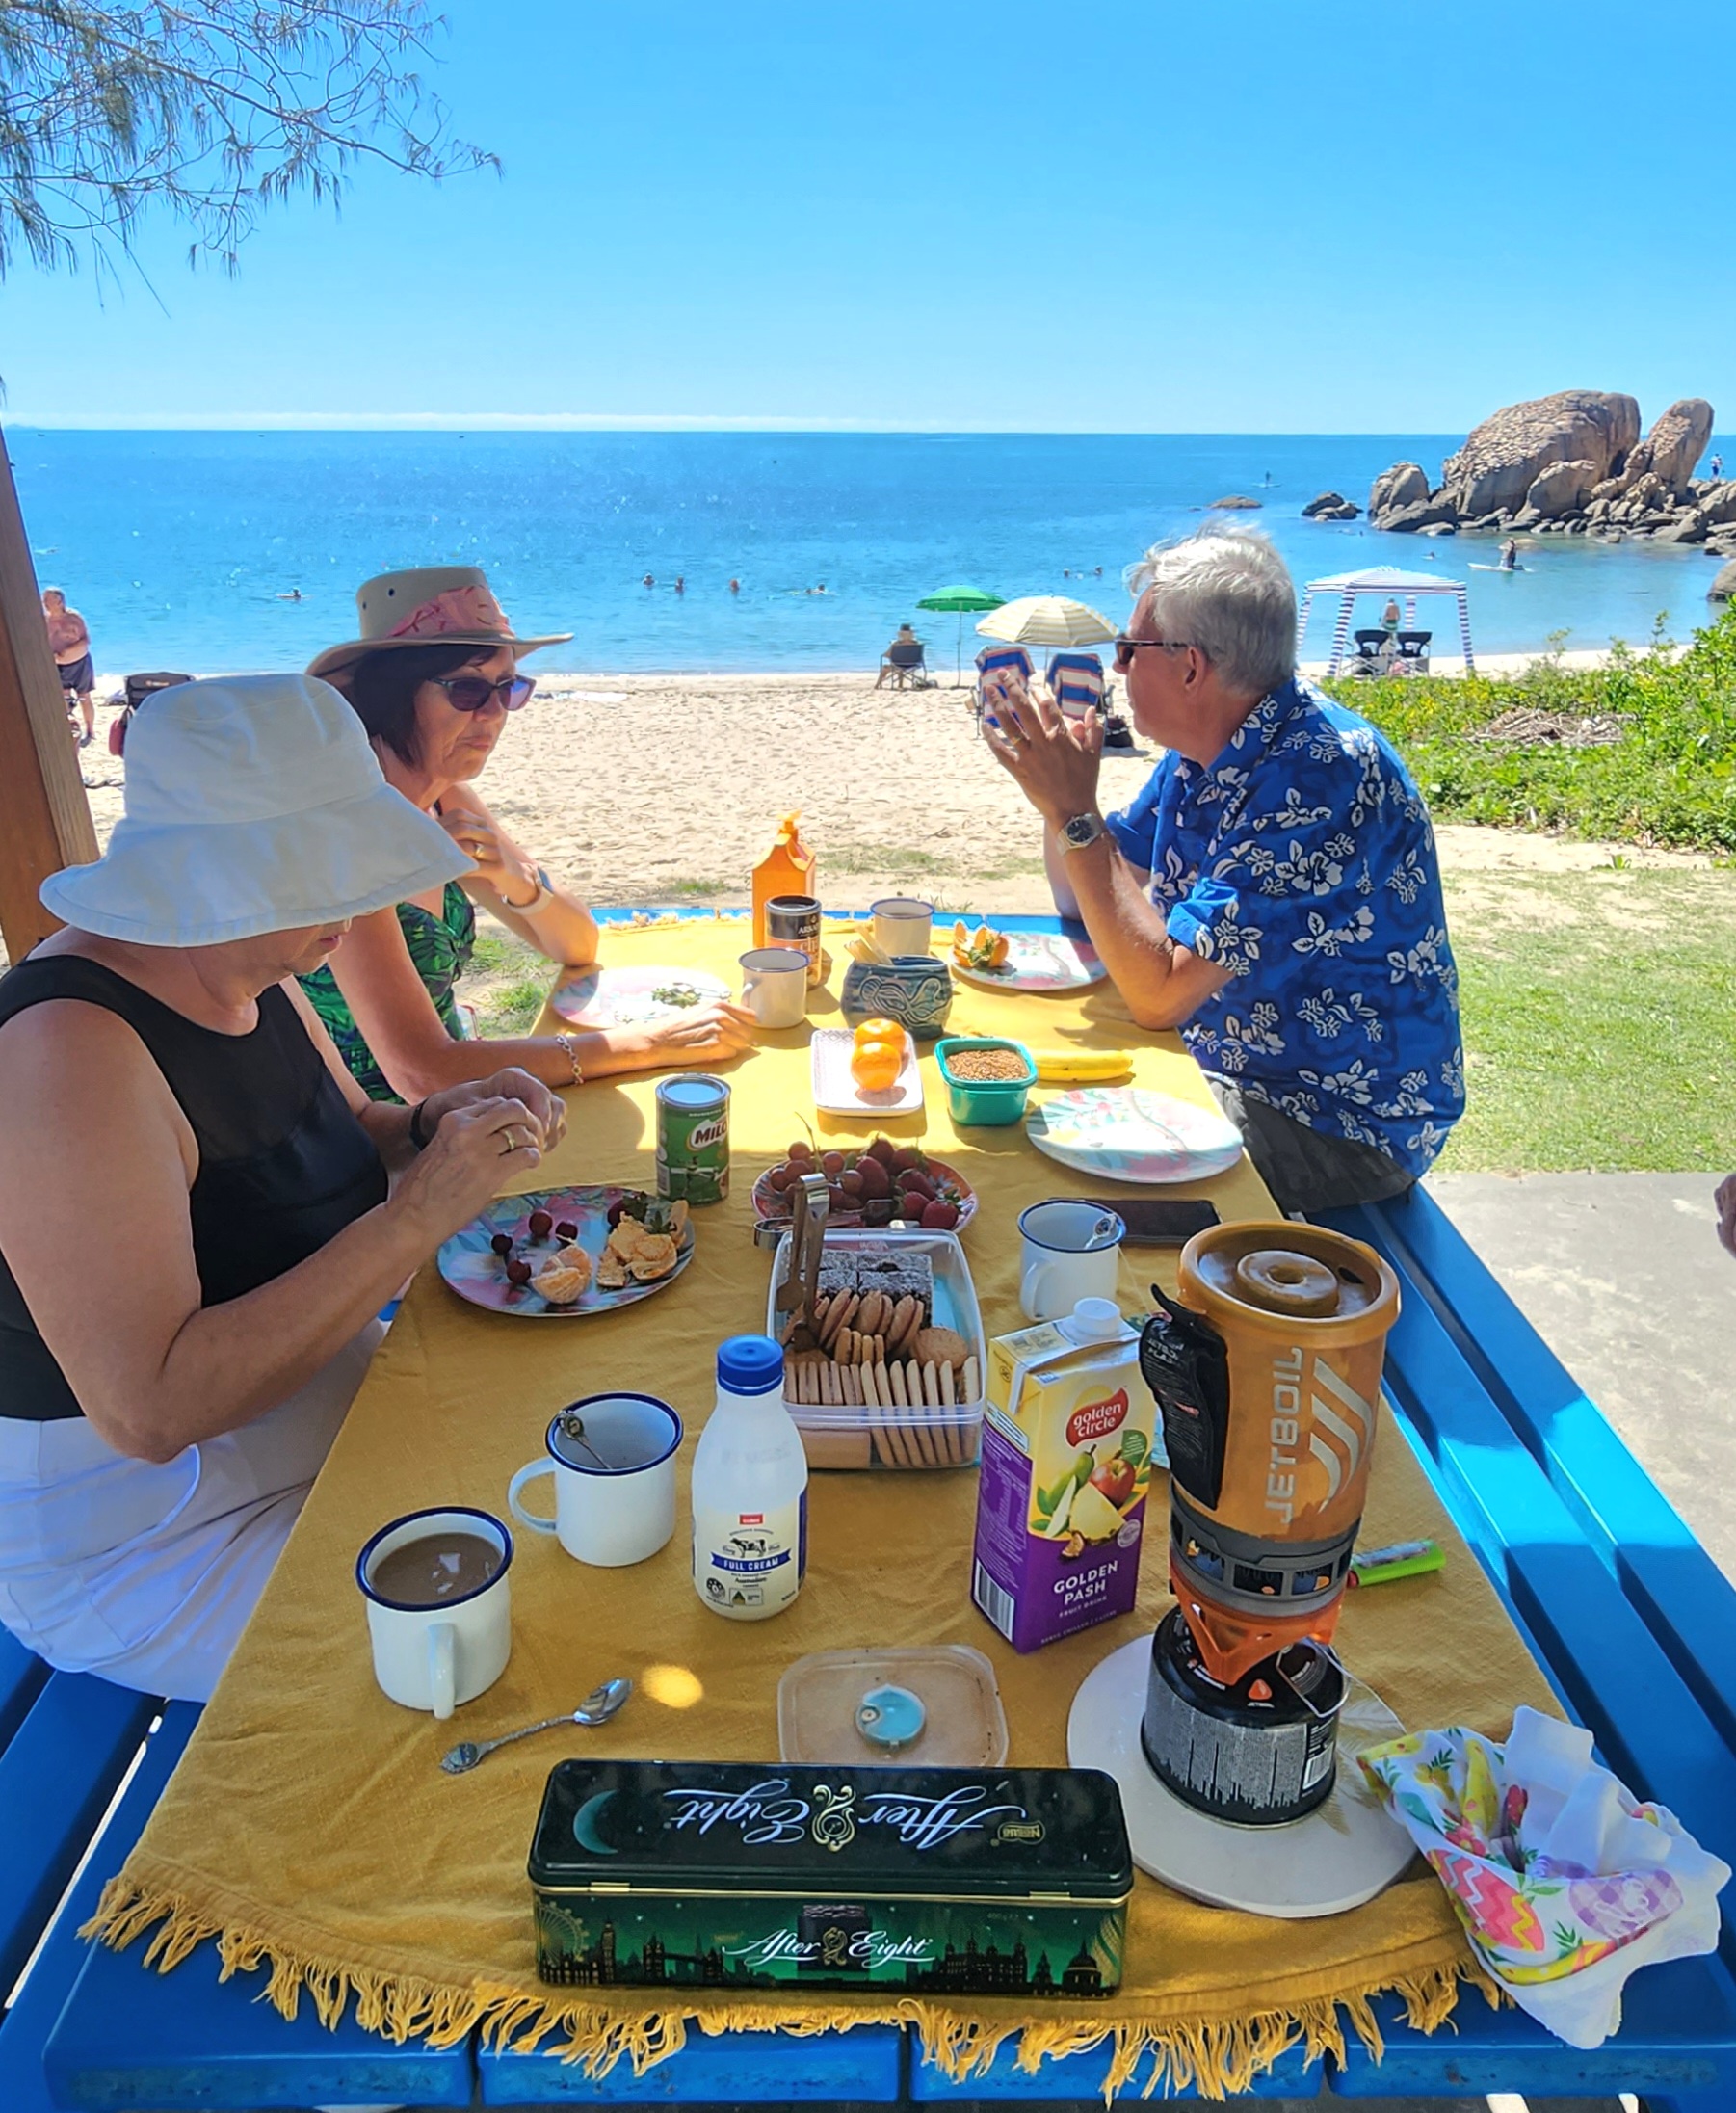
<point x="470" y="693"/>
<point x="1126" y="648"/>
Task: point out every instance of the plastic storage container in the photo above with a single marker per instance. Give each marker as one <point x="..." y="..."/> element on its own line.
<point x="892" y="1431"/>
<point x="923" y="1705"/>
<point x="988" y="1102"/>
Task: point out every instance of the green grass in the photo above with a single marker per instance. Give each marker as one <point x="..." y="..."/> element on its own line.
<point x="506" y="984"/>
<point x="1599" y="1013"/>
<point x="1670" y="780"/>
<point x="850" y="860"/>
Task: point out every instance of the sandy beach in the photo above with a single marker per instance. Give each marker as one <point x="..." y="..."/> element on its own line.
<point x="667" y="788"/>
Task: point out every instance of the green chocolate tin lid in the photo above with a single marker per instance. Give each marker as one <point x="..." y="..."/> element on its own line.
<point x="1050" y="1834"/>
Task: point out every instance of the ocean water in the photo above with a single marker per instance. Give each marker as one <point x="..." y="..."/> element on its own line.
<point x="179" y="546"/>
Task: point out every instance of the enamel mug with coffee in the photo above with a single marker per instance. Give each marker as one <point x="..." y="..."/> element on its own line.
<point x="1070" y="1251"/>
<point x="439" y="1605"/>
<point x="612" y="1458"/>
<point x="774" y="984"/>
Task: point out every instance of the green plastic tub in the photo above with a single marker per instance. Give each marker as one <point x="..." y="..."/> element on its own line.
<point x="986" y="1102"/>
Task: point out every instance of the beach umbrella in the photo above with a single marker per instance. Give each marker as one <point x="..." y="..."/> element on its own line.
<point x="964" y="601"/>
<point x="1046" y="620"/>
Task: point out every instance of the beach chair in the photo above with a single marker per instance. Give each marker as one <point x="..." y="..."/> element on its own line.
<point x="995" y="660"/>
<point x="1410" y="653"/>
<point x="1369" y="655"/>
<point x="1075" y="682"/>
<point x="138" y="688"/>
<point x="904" y="667"/>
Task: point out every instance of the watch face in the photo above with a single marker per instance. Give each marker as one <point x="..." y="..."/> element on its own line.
<point x="1083" y="830"/>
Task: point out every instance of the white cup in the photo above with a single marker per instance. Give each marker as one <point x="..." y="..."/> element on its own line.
<point x="436" y="1657"/>
<point x="1071" y="1250"/>
<point x="615" y="1486"/>
<point x="901" y="924"/>
<point x="774" y="984"/>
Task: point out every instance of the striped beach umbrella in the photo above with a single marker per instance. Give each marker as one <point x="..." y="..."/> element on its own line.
<point x="1046" y="620"/>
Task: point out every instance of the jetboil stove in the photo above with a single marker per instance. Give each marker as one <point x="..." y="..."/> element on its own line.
<point x="1267" y="1369"/>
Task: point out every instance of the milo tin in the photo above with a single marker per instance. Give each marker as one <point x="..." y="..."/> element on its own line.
<point x="693" y="1138"/>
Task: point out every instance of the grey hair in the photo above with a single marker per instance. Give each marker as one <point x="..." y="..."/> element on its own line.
<point x="1230" y="595"/>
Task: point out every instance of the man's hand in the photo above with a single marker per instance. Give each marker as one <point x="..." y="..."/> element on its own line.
<point x="1053" y="759"/>
<point x="546" y="1110"/>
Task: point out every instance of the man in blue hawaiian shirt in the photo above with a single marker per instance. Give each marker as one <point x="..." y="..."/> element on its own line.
<point x="1273" y="891"/>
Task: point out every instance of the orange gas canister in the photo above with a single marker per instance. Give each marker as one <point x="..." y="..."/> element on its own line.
<point x="786" y="869"/>
<point x="1268" y="1371"/>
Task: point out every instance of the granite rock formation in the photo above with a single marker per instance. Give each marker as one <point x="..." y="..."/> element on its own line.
<point x="1331" y="505"/>
<point x="1572" y="463"/>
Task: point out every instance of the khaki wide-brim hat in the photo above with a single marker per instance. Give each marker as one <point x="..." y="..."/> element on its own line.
<point x="433" y="605"/>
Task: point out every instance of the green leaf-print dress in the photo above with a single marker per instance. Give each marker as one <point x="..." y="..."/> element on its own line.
<point x="440" y="947"/>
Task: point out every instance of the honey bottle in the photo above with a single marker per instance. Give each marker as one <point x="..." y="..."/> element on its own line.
<point x="786" y="869"/>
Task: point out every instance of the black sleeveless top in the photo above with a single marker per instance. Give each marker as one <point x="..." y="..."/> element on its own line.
<point x="283" y="1164"/>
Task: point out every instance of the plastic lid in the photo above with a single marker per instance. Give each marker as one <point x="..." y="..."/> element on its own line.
<point x="1095" y="1320"/>
<point x="750" y="1364"/>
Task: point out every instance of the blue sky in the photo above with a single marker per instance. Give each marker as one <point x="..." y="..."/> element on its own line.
<point x="1247" y="216"/>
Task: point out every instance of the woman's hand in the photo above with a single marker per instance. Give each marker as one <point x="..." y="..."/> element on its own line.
<point x="702" y="1034"/>
<point x="547" y="1108"/>
<point x="477" y="1151"/>
<point x="500" y="864"/>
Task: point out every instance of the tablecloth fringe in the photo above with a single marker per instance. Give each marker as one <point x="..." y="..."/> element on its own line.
<point x="1216" y="2056"/>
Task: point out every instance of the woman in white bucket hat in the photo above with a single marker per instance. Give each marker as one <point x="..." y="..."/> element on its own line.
<point x="432" y="676"/>
<point x="196" y="1221"/>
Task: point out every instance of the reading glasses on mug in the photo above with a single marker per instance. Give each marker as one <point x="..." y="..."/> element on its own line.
<point x="470" y="693"/>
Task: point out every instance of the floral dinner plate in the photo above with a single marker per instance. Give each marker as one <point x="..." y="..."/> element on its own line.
<point x="469" y="1264"/>
<point x="1129" y="1133"/>
<point x="633" y="997"/>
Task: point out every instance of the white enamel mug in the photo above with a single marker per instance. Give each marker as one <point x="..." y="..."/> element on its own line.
<point x="903" y="924"/>
<point x="1071" y="1250"/>
<point x="615" y="1485"/>
<point x="436" y="1657"/>
<point x="774" y="984"/>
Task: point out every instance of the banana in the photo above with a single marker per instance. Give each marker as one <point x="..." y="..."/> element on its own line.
<point x="1058" y="1066"/>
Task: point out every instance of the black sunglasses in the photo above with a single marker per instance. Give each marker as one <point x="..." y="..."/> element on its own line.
<point x="1126" y="648"/>
<point x="470" y="693"/>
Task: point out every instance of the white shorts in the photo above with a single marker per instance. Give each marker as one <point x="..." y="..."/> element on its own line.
<point x="147" y="1574"/>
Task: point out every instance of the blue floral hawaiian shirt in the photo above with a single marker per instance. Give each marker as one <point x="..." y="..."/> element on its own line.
<point x="1302" y="859"/>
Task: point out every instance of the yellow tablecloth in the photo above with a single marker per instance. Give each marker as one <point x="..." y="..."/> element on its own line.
<point x="308" y="1824"/>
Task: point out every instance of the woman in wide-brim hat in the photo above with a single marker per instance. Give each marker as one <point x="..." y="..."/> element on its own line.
<point x="195" y="1227"/>
<point x="432" y="676"/>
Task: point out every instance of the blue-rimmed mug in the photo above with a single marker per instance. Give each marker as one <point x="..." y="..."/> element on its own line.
<point x="1071" y="1250"/>
<point x="445" y="1638"/>
<point x="613" y="1459"/>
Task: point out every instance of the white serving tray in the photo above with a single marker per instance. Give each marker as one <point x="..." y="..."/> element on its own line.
<point x="836" y="1092"/>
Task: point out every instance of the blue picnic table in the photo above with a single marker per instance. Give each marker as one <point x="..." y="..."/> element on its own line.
<point x="1629" y="1617"/>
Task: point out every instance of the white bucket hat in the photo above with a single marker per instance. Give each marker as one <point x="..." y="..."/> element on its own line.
<point x="254" y="804"/>
<point x="436" y="605"/>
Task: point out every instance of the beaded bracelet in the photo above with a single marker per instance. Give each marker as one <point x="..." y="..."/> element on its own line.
<point x="570" y="1050"/>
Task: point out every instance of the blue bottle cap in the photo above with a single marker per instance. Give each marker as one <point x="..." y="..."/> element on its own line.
<point x="750" y="1364"/>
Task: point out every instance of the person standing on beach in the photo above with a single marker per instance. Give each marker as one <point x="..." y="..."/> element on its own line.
<point x="1273" y="891"/>
<point x="1717" y="465"/>
<point x="70" y="641"/>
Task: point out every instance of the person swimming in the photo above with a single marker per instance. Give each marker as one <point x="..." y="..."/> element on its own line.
<point x="649" y="580"/>
<point x="735" y="586"/>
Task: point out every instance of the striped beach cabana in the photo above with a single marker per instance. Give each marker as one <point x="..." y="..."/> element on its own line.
<point x="1390" y="584"/>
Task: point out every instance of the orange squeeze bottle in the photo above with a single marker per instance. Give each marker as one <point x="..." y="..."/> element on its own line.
<point x="786" y="869"/>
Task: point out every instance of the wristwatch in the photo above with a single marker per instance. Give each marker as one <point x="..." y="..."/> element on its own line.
<point x="1082" y="831"/>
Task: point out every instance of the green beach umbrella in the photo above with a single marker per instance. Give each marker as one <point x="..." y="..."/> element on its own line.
<point x="962" y="601"/>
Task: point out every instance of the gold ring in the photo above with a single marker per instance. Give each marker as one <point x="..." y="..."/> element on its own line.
<point x="512" y="1137"/>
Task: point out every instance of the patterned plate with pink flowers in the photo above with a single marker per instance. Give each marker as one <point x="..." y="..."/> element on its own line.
<point x="1130" y="1133"/>
<point x="477" y="1269"/>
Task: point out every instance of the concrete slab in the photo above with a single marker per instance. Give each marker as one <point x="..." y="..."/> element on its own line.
<point x="1624" y="1277"/>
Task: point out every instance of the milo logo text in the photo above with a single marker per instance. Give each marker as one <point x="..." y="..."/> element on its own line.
<point x="1096" y="1419"/>
<point x="703" y="1135"/>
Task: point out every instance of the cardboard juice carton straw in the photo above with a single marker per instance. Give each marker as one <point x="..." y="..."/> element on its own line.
<point x="1067" y="1459"/>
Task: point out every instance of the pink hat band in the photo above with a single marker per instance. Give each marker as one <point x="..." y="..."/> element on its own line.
<point x="470" y="608"/>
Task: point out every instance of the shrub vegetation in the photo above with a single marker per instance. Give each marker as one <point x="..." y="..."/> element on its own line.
<point x="1670" y="779"/>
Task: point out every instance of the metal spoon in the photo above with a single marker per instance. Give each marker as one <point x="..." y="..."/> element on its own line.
<point x="597" y="1708"/>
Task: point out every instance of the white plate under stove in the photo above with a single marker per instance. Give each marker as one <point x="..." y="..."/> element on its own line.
<point x="1339" y="1856"/>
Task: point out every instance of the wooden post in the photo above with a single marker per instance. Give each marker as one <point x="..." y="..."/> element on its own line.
<point x="45" y="817"/>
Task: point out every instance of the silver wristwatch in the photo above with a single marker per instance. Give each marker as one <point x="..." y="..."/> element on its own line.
<point x="1082" y="831"/>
